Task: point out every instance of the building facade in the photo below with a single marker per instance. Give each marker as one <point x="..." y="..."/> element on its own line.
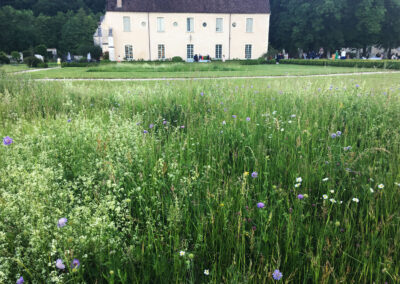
<point x="162" y="29"/>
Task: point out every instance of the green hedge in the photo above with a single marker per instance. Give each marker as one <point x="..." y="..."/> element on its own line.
<point x="254" y="61"/>
<point x="78" y="64"/>
<point x="381" y="64"/>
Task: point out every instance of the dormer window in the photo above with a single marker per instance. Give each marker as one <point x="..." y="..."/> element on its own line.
<point x="119" y="3"/>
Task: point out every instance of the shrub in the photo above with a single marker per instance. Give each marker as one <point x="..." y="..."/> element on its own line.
<point x="16" y="56"/>
<point x="3" y="58"/>
<point x="27" y="53"/>
<point x="42" y="50"/>
<point x="177" y="59"/>
<point x="381" y="64"/>
<point x="32" y="61"/>
<point x="95" y="51"/>
<point x="43" y="65"/>
<point x="106" y="56"/>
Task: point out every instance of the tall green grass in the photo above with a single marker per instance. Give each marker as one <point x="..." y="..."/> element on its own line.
<point x="135" y="200"/>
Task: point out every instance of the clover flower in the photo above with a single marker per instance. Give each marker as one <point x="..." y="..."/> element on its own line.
<point x="7" y="141"/>
<point x="277" y="275"/>
<point x="62" y="222"/>
<point x="59" y="264"/>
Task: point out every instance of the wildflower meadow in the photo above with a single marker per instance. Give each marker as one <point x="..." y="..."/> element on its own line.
<point x="201" y="181"/>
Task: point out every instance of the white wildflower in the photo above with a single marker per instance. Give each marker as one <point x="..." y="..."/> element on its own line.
<point x="356" y="200"/>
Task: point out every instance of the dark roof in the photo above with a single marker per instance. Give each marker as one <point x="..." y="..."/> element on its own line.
<point x="192" y="6"/>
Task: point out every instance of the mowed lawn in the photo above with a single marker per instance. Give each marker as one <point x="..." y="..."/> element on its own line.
<point x="217" y="181"/>
<point x="189" y="70"/>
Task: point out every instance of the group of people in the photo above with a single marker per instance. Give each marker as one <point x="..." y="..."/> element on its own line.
<point x="199" y="58"/>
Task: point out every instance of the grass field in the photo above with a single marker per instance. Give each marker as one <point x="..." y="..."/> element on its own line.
<point x="201" y="181"/>
<point x="185" y="70"/>
<point x="13" y="68"/>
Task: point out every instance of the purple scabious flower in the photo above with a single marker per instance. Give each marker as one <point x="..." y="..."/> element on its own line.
<point x="277" y="275"/>
<point x="62" y="222"/>
<point x="7" y="141"/>
<point x="164" y="122"/>
<point x="20" y="280"/>
<point x="234" y="116"/>
<point x="333" y="135"/>
<point x="357" y="86"/>
<point x="248" y="118"/>
<point x="202" y="93"/>
<point x="254" y="175"/>
<point x="339" y="133"/>
<point x="260" y="205"/>
<point x="59" y="264"/>
<point x="151" y="126"/>
<point x="300" y="196"/>
<point x="145" y="131"/>
<point x="75" y="263"/>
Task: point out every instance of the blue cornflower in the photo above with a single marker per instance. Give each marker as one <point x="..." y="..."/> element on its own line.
<point x="277" y="275"/>
<point x="339" y="133"/>
<point x="234" y="116"/>
<point x="151" y="126"/>
<point x="145" y="131"/>
<point x="7" y="141"/>
<point x="62" y="222"/>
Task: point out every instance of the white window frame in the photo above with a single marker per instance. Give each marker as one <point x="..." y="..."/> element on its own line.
<point x="161" y="51"/>
<point x="190" y="25"/>
<point x="119" y="3"/>
<point x="128" y="52"/>
<point x="127" y="24"/>
<point x="218" y="51"/>
<point x="190" y="51"/>
<point x="249" y="25"/>
<point x="160" y="25"/>
<point x="219" y="25"/>
<point x="248" y="49"/>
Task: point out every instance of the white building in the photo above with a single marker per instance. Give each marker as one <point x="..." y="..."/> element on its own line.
<point x="162" y="29"/>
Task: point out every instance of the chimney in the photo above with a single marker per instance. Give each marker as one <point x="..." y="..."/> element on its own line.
<point x="119" y="3"/>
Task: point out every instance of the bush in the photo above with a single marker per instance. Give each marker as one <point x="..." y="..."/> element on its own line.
<point x="27" y="53"/>
<point x="177" y="59"/>
<point x="43" y="65"/>
<point x="95" y="51"/>
<point x="16" y="56"/>
<point x="255" y="61"/>
<point x="381" y="64"/>
<point x="106" y="56"/>
<point x="32" y="61"/>
<point x="4" y="59"/>
<point x="42" y="50"/>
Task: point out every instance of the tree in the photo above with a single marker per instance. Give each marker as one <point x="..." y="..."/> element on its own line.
<point x="16" y="56"/>
<point x="389" y="37"/>
<point x="41" y="49"/>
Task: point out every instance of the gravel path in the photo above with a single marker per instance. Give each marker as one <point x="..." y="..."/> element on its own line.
<point x="212" y="78"/>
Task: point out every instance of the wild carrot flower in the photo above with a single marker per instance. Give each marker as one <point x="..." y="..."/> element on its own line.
<point x="7" y="141"/>
<point x="62" y="222"/>
<point x="59" y="264"/>
<point x="277" y="275"/>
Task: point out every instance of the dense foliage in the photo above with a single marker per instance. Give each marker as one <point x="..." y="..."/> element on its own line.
<point x="200" y="181"/>
<point x="383" y="64"/>
<point x="330" y="24"/>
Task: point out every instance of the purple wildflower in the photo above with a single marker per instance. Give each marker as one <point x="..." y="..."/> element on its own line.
<point x="234" y="116"/>
<point x="145" y="131"/>
<point x="254" y="228"/>
<point x="339" y="133"/>
<point x="7" y="141"/>
<point x="164" y="122"/>
<point x="333" y="135"/>
<point x="62" y="222"/>
<point x="248" y="118"/>
<point x="20" y="280"/>
<point x="277" y="275"/>
<point x="75" y="263"/>
<point x="69" y="120"/>
<point x="202" y="93"/>
<point x="59" y="264"/>
<point x="357" y="86"/>
<point x="151" y="126"/>
<point x="300" y="196"/>
<point x="254" y="175"/>
<point x="183" y="126"/>
<point x="260" y="205"/>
